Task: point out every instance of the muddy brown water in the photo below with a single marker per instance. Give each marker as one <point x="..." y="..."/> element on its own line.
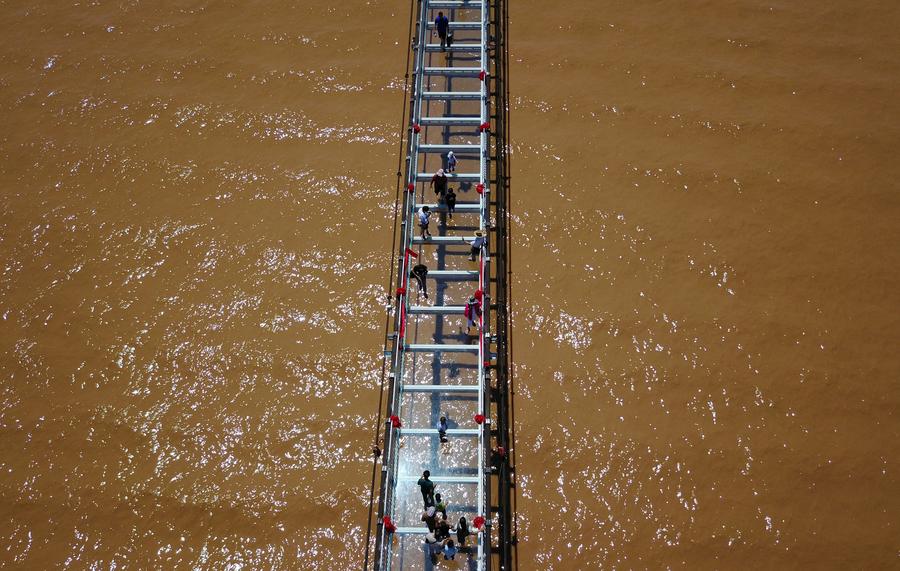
<point x="196" y="214"/>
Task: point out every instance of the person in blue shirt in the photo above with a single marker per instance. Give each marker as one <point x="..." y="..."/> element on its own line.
<point x="450" y="549"/>
<point x="442" y="25"/>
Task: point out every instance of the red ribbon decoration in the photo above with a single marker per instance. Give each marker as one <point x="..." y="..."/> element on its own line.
<point x="416" y="128"/>
<point x="479" y="188"/>
<point x="410" y="252"/>
<point x="395" y="421"/>
<point x="478" y="522"/>
<point x="484" y="127"/>
<point x="482" y="75"/>
<point x="479" y="418"/>
<point x="401" y="290"/>
<point x="411" y="187"/>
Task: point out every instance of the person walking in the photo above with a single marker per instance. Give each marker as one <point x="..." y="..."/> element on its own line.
<point x="442" y="432"/>
<point x="451" y="162"/>
<point x="430" y="519"/>
<point x="472" y="312"/>
<point x="427" y="488"/>
<point x="450" y="200"/>
<point x="420" y="273"/>
<point x="439" y="184"/>
<point x="424" y="214"/>
<point x="442" y="25"/>
<point x="462" y="532"/>
<point x="477" y="245"/>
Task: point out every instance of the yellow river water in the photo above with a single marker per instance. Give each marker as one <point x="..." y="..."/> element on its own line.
<point x="197" y="202"/>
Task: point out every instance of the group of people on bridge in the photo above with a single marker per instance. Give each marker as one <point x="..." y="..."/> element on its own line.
<point x="439" y="539"/>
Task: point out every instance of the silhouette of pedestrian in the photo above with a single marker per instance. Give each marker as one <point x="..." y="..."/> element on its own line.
<point x="450" y="200"/>
<point x="427" y="488"/>
<point x="420" y="273"/>
<point x="462" y="531"/>
<point x="442" y="25"/>
<point x="442" y="430"/>
<point x="424" y="217"/>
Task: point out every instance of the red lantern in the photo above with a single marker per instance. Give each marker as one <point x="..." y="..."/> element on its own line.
<point x="479" y="419"/>
<point x="479" y="188"/>
<point x="478" y="522"/>
<point x="389" y="526"/>
<point x="395" y="421"/>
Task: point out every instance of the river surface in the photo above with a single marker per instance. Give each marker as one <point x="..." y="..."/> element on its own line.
<point x="197" y="204"/>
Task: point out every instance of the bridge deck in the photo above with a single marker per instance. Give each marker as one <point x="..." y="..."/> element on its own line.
<point x="437" y="362"/>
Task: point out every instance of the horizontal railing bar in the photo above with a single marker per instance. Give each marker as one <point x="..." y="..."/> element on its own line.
<point x="454" y="48"/>
<point x="453" y="71"/>
<point x="457" y="149"/>
<point x="460" y="207"/>
<point x="451" y="95"/>
<point x="453" y="274"/>
<point x="434" y="432"/>
<point x="450" y="121"/>
<point x="443" y="479"/>
<point x="440" y="388"/>
<point x="444" y="240"/>
<point x="440" y="348"/>
<point x="436" y="309"/>
<point x="451" y="176"/>
<point x="460" y="25"/>
<point x="454" y="4"/>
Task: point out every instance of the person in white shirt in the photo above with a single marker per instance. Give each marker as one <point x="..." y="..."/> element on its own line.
<point x="424" y="214"/>
<point x="451" y="162"/>
<point x="477" y="244"/>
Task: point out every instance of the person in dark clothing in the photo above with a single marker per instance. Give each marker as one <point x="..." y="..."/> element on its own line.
<point x="442" y="25"/>
<point x="462" y="532"/>
<point x="442" y="430"/>
<point x="439" y="184"/>
<point x="420" y="273"/>
<point x="427" y="488"/>
<point x="450" y="199"/>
